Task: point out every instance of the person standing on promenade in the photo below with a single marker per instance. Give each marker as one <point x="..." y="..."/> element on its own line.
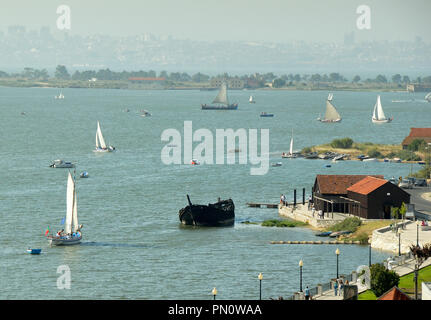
<point x="307" y="293"/>
<point x="335" y="287"/>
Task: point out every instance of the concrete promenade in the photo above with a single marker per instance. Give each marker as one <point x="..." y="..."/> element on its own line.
<point x="401" y="270"/>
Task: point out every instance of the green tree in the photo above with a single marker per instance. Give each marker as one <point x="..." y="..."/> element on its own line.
<point x="381" y="79"/>
<point x="396" y="78"/>
<point x="382" y="279"/>
<point x="356" y="79"/>
<point x="278" y="83"/>
<point x="344" y="143"/>
<point x="403" y="210"/>
<point x="417" y="144"/>
<point x="406" y="79"/>
<point x="61" y="73"/>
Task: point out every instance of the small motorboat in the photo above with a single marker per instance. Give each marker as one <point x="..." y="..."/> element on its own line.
<point x="84" y="174"/>
<point x="277" y="164"/>
<point x="369" y="159"/>
<point x="34" y="251"/>
<point x="266" y="114"/>
<point x="338" y="233"/>
<point x="324" y="234"/>
<point x="327" y="166"/>
<point x="145" y="113"/>
<point x="194" y="162"/>
<point x="61" y="164"/>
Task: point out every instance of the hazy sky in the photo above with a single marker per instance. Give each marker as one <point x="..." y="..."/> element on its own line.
<point x="272" y="20"/>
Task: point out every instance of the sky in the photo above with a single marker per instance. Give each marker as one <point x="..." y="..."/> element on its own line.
<point x="236" y="20"/>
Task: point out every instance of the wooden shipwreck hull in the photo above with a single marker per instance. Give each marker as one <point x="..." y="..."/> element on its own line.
<point x="219" y="214"/>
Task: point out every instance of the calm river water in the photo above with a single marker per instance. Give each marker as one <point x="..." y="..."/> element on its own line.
<point x="133" y="245"/>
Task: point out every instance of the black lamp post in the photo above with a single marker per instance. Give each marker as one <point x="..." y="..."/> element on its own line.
<point x="369" y="255"/>
<point x="214" y="292"/>
<point x="417" y="233"/>
<point x="337" y="252"/>
<point x="300" y="275"/>
<point x="416" y="281"/>
<point x="399" y="243"/>
<point x="260" y="277"/>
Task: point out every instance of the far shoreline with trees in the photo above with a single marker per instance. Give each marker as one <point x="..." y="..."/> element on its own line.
<point x="106" y="78"/>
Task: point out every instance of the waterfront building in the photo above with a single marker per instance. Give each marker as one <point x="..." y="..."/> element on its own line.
<point x="417" y="133"/>
<point x="416" y="87"/>
<point x="365" y="196"/>
<point x="232" y="83"/>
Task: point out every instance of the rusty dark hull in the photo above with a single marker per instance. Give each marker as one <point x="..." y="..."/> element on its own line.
<point x="219" y="214"/>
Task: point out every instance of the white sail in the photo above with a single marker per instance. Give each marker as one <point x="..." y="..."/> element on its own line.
<point x="291" y="144"/>
<point x="251" y="99"/>
<point x="75" y="213"/>
<point x="378" y="113"/>
<point x="428" y="97"/>
<point x="69" y="204"/>
<point x="330" y="96"/>
<point x="222" y="95"/>
<point x="100" y="137"/>
<point x="331" y="113"/>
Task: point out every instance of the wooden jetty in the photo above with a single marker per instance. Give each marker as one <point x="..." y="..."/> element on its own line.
<point x="259" y="205"/>
<point x="317" y="242"/>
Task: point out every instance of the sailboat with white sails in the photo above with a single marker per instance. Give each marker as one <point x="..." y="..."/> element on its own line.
<point x="251" y="100"/>
<point x="221" y="100"/>
<point x="71" y="234"/>
<point x="290" y="154"/>
<point x="378" y="114"/>
<point x="331" y="114"/>
<point x="428" y="97"/>
<point x="100" y="142"/>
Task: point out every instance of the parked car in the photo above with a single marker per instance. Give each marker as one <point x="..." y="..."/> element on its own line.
<point x="412" y="180"/>
<point x="421" y="182"/>
<point x="393" y="180"/>
<point x="406" y="184"/>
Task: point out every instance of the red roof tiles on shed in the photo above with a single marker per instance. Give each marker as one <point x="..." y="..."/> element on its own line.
<point x="367" y="185"/>
<point x="338" y="183"/>
<point x="417" y="133"/>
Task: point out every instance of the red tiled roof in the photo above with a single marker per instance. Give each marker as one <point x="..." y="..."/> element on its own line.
<point x="367" y="185"/>
<point x="338" y="184"/>
<point x="146" y="79"/>
<point x="417" y="133"/>
<point x="394" y="294"/>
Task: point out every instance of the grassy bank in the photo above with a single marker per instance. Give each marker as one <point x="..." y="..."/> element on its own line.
<point x="372" y="150"/>
<point x="284" y="223"/>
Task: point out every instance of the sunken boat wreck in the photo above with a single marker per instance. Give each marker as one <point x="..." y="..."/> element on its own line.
<point x="219" y="214"/>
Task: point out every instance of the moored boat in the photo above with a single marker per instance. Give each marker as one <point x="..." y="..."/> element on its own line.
<point x="324" y="234"/>
<point x="219" y="214"/>
<point x="34" y="251"/>
<point x="61" y="164"/>
<point x="266" y="114"/>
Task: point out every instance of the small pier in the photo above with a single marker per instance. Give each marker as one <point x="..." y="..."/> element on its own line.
<point x="317" y="242"/>
<point x="260" y="205"/>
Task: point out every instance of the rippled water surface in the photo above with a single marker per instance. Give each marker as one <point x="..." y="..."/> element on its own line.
<point x="133" y="245"/>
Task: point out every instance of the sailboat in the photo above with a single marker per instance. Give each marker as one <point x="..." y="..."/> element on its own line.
<point x="290" y="154"/>
<point x="71" y="234"/>
<point x="378" y="114"/>
<point x="60" y="96"/>
<point x="221" y="100"/>
<point x="428" y="97"/>
<point x="331" y="114"/>
<point x="251" y="100"/>
<point x="100" y="142"/>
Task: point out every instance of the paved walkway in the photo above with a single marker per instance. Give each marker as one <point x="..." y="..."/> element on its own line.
<point x="402" y="270"/>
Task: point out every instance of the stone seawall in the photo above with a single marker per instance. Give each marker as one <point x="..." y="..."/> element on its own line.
<point x="301" y="213"/>
<point x="387" y="240"/>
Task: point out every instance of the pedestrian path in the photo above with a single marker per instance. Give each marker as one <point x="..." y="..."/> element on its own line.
<point x="401" y="270"/>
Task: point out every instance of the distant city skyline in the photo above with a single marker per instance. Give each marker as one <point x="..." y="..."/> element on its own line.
<point x="236" y="20"/>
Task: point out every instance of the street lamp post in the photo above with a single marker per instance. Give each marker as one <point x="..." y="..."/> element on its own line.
<point x="337" y="252"/>
<point x="416" y="281"/>
<point x="300" y="275"/>
<point x="399" y="243"/>
<point x="214" y="292"/>
<point x="260" y="277"/>
<point x="417" y="233"/>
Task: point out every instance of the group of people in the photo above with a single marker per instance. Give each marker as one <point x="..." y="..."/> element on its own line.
<point x="339" y="286"/>
<point x="62" y="235"/>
